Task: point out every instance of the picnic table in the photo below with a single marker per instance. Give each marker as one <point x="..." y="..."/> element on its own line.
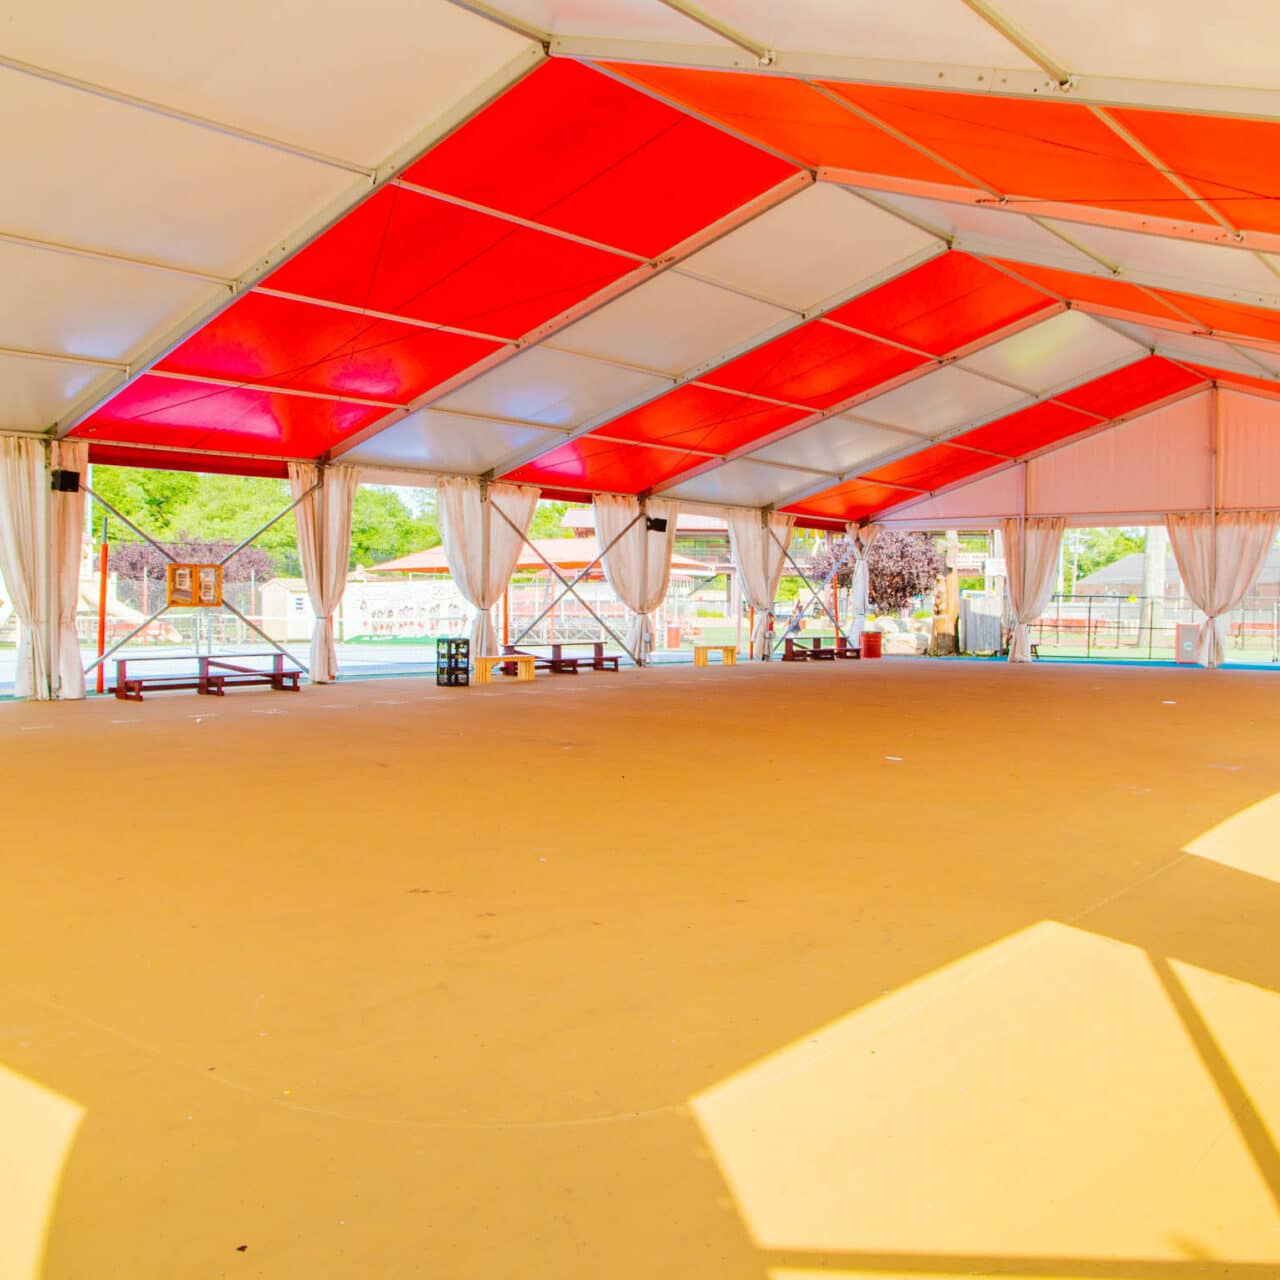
<point x="797" y="651"/>
<point x="212" y="675"/>
<point x="563" y="665"/>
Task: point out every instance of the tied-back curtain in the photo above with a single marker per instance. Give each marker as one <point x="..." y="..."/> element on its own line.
<point x="638" y="564"/>
<point x="323" y="517"/>
<point x="68" y="535"/>
<point x="861" y="602"/>
<point x="757" y="543"/>
<point x="22" y="528"/>
<point x="1220" y="559"/>
<point x="1032" y="550"/>
<point x="480" y="547"/>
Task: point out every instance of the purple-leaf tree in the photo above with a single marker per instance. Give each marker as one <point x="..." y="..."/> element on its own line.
<point x="137" y="560"/>
<point x="902" y="566"/>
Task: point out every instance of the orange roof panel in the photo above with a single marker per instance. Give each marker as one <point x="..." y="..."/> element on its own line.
<point x="1231" y="163"/>
<point x="792" y="118"/>
<point x="1042" y="150"/>
<point x="945" y="304"/>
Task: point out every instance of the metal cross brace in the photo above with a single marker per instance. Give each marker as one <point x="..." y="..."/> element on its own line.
<point x="817" y="594"/>
<point x="570" y="587"/>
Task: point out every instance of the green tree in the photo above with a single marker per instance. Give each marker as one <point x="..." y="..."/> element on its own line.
<point x="384" y="528"/>
<point x="548" y="520"/>
<point x="1085" y="551"/>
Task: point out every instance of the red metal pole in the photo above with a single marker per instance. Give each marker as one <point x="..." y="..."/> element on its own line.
<point x="102" y="606"/>
<point x="506" y="617"/>
<point x="751" y="633"/>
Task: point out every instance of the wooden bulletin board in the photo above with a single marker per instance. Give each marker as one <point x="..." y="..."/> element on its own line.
<point x="194" y="586"/>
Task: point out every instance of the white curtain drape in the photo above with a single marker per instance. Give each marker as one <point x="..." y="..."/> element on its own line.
<point x="323" y="518"/>
<point x="1220" y="558"/>
<point x="67" y="515"/>
<point x="757" y="543"/>
<point x="481" y="548"/>
<point x="1033" y="548"/>
<point x="638" y="564"/>
<point x="23" y="519"/>
<point x="40" y="543"/>
<point x="860" y="603"/>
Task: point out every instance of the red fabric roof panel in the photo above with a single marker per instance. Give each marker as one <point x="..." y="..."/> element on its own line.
<point x="1237" y="318"/>
<point x="109" y="455"/>
<point x="1032" y="428"/>
<point x="932" y="468"/>
<point x="852" y="500"/>
<point x="1046" y="150"/>
<point x="694" y="417"/>
<point x="1134" y="387"/>
<point x="794" y="119"/>
<point x="410" y="255"/>
<point x="173" y="411"/>
<point x="815" y="364"/>
<point x="1226" y="161"/>
<point x="572" y="148"/>
<point x="1240" y="381"/>
<point x="948" y="303"/>
<point x="604" y="465"/>
<point x="280" y="342"/>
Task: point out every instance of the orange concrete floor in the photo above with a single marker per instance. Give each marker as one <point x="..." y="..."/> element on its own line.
<point x="800" y="973"/>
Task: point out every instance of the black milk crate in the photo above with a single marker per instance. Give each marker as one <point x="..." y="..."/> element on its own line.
<point x="453" y="662"/>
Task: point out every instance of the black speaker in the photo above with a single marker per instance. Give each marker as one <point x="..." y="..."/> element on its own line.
<point x="64" y="481"/>
<point x="655" y="524"/>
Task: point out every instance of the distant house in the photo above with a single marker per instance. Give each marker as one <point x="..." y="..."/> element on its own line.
<point x="1123" y="577"/>
<point x="700" y="537"/>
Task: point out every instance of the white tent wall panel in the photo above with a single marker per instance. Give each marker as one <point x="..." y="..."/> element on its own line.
<point x="617" y="19"/>
<point x="448" y="442"/>
<point x="1165" y="261"/>
<point x="872" y="29"/>
<point x="742" y="484"/>
<point x="1173" y="263"/>
<point x="1234" y="43"/>
<point x="552" y="388"/>
<point x="808" y="248"/>
<point x="1161" y="461"/>
<point x="1248" y="451"/>
<point x="32" y="392"/>
<point x="69" y="305"/>
<point x="349" y="81"/>
<point x="91" y="172"/>
<point x="1192" y="349"/>
<point x="981" y="503"/>
<point x="1066" y="348"/>
<point x="984" y="228"/>
<point x="837" y="445"/>
<point x="671" y="323"/>
<point x="941" y="401"/>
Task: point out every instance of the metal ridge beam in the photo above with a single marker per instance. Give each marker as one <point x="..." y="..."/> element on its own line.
<point x="1014" y="82"/>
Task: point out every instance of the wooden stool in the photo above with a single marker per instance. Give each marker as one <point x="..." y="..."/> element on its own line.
<point x="523" y="663"/>
<point x="728" y="654"/>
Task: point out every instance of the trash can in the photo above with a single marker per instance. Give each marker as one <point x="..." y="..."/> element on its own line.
<point x="1187" y="635"/>
<point x="871" y="644"/>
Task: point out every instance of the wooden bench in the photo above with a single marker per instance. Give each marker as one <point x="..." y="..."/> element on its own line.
<point x="212" y="676"/>
<point x="702" y="654"/>
<point x="523" y="664"/>
<point x="794" y="650"/>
